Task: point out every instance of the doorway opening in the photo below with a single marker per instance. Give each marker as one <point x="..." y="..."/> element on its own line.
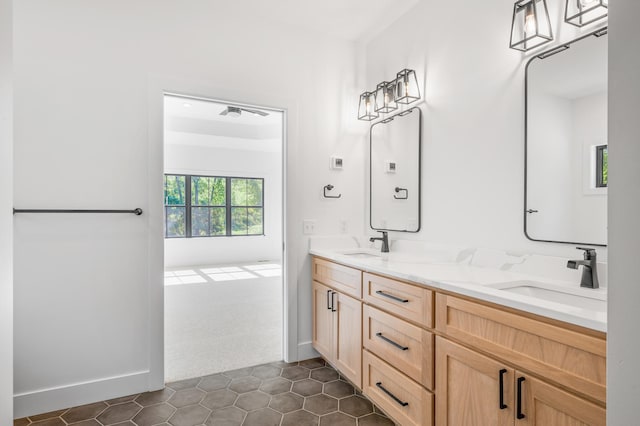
<point x="223" y="229"/>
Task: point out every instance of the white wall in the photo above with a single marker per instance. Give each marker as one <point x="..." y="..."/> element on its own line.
<point x="182" y="158"/>
<point x="623" y="344"/>
<point x="550" y="167"/>
<point x="6" y="219"/>
<point x="589" y="204"/>
<point x="473" y="138"/>
<point x="89" y="134"/>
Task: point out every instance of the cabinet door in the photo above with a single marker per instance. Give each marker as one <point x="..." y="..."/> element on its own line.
<point x="323" y="320"/>
<point x="544" y="405"/>
<point x="348" y="338"/>
<point x="469" y="388"/>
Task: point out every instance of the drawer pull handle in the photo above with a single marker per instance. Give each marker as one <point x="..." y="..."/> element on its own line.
<point x="502" y="404"/>
<point x="391" y="296"/>
<point x="520" y="414"/>
<point x="333" y="301"/>
<point x="397" y="345"/>
<point x="329" y="299"/>
<point x="395" y="398"/>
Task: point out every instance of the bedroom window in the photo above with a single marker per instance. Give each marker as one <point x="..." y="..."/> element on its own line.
<point x="213" y="206"/>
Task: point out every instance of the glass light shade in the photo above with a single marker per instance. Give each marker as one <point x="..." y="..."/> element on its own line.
<point x="385" y="97"/>
<point x="583" y="12"/>
<point x="407" y="90"/>
<point x="531" y="26"/>
<point x="366" y="109"/>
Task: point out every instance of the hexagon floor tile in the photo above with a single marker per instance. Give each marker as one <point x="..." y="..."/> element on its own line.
<point x="308" y="393"/>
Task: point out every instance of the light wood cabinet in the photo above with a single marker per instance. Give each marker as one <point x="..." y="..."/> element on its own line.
<point x="347" y="329"/>
<point x="407" y="301"/>
<point x="405" y="401"/>
<point x="476" y="390"/>
<point x="545" y="405"/>
<point x="429" y="357"/>
<point x="322" y="319"/>
<point x="469" y="390"/>
<point x="570" y="358"/>
<point x="337" y="330"/>
<point x="342" y="278"/>
<point x="407" y="347"/>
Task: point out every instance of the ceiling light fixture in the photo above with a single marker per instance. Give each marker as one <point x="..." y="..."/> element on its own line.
<point x="531" y="26"/>
<point x="232" y="111"/>
<point x="584" y="12"/>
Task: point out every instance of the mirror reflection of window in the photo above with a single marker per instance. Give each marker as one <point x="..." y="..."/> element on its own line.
<point x="602" y="166"/>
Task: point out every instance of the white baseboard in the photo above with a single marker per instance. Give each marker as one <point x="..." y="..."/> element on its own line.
<point x="306" y="351"/>
<point x="46" y="400"/>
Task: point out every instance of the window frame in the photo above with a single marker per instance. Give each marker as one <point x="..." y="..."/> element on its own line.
<point x="228" y="206"/>
<point x="600" y="149"/>
<point x="184" y="206"/>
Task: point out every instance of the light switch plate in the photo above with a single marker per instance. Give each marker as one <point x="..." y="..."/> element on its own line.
<point x="337" y="162"/>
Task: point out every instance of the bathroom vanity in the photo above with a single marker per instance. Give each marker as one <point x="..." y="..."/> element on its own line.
<point x="450" y="344"/>
<point x="437" y="340"/>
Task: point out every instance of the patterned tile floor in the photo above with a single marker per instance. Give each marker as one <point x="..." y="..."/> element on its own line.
<point x="308" y="393"/>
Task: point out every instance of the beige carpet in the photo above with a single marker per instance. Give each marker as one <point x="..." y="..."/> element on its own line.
<point x="221" y="318"/>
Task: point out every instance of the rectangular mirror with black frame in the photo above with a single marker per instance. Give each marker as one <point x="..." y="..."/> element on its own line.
<point x="394" y="167"/>
<point x="566" y="152"/>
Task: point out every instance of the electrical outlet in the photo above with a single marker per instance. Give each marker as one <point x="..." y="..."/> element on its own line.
<point x="343" y="226"/>
<point x="308" y="227"/>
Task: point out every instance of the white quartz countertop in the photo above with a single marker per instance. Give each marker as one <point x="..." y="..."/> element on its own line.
<point x="483" y="283"/>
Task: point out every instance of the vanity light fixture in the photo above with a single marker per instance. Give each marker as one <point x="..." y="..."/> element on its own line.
<point x="388" y="94"/>
<point x="385" y="97"/>
<point x="367" y="108"/>
<point x="531" y="26"/>
<point x="584" y="12"/>
<point x="407" y="90"/>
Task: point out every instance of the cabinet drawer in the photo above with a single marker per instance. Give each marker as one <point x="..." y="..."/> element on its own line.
<point x="405" y="346"/>
<point x="567" y="357"/>
<point x="404" y="400"/>
<point x="405" y="300"/>
<point x="342" y="278"/>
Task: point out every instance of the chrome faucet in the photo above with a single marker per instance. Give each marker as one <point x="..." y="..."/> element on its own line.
<point x="385" y="241"/>
<point x="589" y="273"/>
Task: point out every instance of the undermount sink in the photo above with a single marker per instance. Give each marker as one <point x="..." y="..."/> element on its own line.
<point x="585" y="298"/>
<point x="362" y="254"/>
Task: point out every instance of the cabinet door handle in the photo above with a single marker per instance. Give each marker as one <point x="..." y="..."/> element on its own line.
<point x="397" y="345"/>
<point x="391" y="296"/>
<point x="333" y="301"/>
<point x="520" y="414"/>
<point x="502" y="373"/>
<point x="395" y="398"/>
<point x="329" y="299"/>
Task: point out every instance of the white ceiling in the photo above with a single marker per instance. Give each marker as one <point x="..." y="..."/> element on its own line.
<point x="347" y="19"/>
<point x="199" y="123"/>
<point x="177" y="107"/>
